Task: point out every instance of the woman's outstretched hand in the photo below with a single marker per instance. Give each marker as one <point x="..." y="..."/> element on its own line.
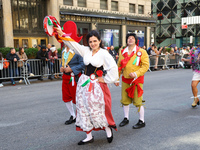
<point x="59" y="31"/>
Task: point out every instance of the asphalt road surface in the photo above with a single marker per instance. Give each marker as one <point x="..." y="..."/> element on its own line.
<point x="32" y="117"/>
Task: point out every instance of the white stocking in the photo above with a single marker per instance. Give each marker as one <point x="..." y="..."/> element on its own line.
<point x="141" y="113"/>
<point x="89" y="137"/>
<point x="71" y="109"/>
<point x="108" y="132"/>
<point x="126" y="111"/>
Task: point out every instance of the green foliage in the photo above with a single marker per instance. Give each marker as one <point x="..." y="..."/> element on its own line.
<point x="59" y="51"/>
<point x="30" y="52"/>
<point x="5" y="51"/>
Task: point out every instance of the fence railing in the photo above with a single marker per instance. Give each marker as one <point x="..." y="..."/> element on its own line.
<point x="26" y="69"/>
<point x="164" y="61"/>
<point x="32" y="68"/>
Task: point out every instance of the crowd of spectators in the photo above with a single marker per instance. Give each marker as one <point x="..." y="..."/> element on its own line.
<point x="172" y="54"/>
<point x="17" y="67"/>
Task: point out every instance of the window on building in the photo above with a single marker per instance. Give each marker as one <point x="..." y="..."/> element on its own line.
<point x="68" y="2"/>
<point x="140" y="9"/>
<point x="81" y="3"/>
<point x="16" y="43"/>
<point x="114" y="6"/>
<point x="26" y="15"/>
<point x="25" y="43"/>
<point x="103" y="4"/>
<point x="132" y="8"/>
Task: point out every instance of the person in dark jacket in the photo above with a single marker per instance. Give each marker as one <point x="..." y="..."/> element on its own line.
<point x="113" y="53"/>
<point x="43" y="55"/>
<point x="13" y="58"/>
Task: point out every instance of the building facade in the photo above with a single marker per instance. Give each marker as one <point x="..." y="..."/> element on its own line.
<point x="178" y="22"/>
<point x="22" y="20"/>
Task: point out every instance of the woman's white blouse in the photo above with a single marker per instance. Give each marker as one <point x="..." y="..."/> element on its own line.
<point x="101" y="58"/>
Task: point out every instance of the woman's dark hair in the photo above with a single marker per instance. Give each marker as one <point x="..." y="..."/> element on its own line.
<point x="120" y="45"/>
<point x="96" y="34"/>
<point x="20" y="50"/>
<point x="131" y="34"/>
<point x="1" y="56"/>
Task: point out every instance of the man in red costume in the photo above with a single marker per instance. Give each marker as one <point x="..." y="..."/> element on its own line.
<point x="71" y="66"/>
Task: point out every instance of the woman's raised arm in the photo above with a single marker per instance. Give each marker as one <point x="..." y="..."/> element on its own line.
<point x="72" y="44"/>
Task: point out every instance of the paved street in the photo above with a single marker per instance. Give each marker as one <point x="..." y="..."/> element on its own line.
<point x="32" y="117"/>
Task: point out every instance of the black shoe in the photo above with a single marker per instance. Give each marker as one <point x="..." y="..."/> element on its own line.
<point x="70" y="121"/>
<point x="83" y="143"/>
<point x="124" y="122"/>
<point x="50" y="77"/>
<point x="109" y="139"/>
<point x="139" y="125"/>
<point x="40" y="78"/>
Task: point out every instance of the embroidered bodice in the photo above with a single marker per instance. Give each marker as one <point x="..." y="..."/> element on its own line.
<point x="90" y="69"/>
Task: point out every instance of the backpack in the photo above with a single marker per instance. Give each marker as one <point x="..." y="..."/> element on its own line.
<point x="5" y="64"/>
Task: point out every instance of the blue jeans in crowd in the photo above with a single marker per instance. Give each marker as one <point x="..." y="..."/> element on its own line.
<point x="13" y="73"/>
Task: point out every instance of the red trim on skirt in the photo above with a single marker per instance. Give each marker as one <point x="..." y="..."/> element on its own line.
<point x="108" y="113"/>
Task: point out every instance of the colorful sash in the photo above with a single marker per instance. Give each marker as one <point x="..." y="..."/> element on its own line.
<point x="135" y="83"/>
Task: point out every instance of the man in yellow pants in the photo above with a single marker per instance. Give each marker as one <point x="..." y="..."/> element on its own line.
<point x="134" y="62"/>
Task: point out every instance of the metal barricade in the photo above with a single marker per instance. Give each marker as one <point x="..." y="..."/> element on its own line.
<point x="15" y="70"/>
<point x="173" y="60"/>
<point x="158" y="61"/>
<point x="32" y="68"/>
<point x="165" y="61"/>
<point x="43" y="69"/>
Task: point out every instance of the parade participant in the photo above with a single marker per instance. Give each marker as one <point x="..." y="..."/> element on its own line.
<point x="134" y="62"/>
<point x="71" y="66"/>
<point x="195" y="62"/>
<point x="93" y="98"/>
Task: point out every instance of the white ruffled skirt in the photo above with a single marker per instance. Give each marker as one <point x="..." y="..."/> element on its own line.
<point x="90" y="106"/>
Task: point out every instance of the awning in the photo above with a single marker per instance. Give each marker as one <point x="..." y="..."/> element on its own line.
<point x="109" y="16"/>
<point x="140" y="20"/>
<point x="91" y="15"/>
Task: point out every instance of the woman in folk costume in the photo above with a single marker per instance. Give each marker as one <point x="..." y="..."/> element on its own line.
<point x="93" y="98"/>
<point x="195" y="62"/>
<point x="134" y="62"/>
